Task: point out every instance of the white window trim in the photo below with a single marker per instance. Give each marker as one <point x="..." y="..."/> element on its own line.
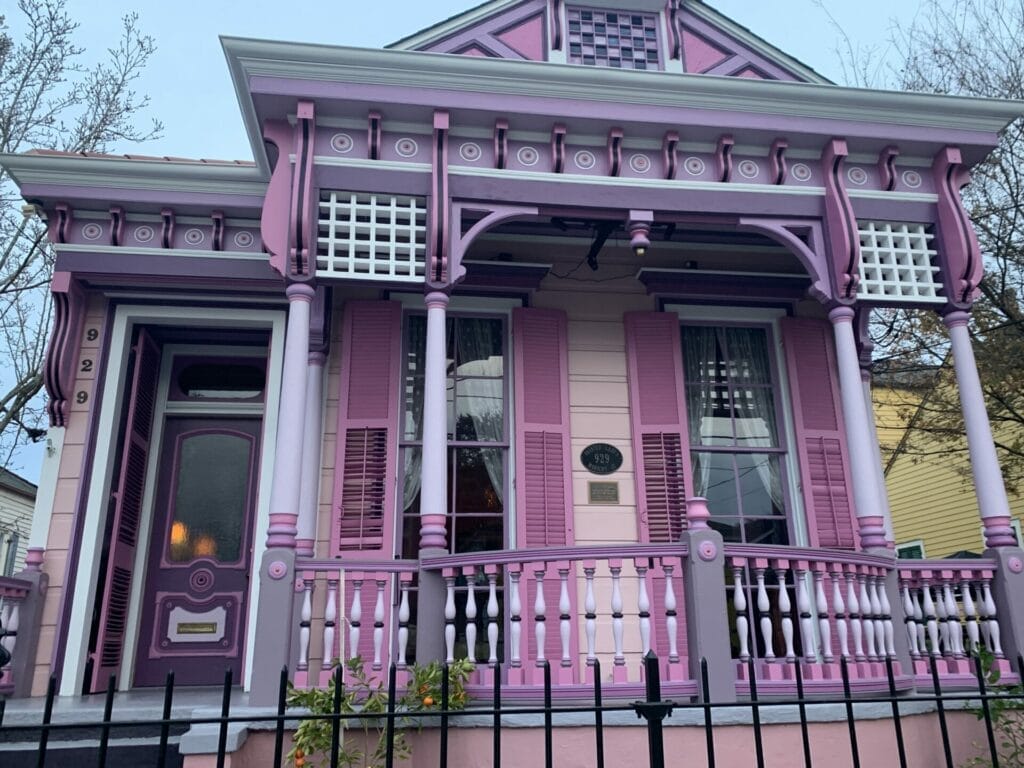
<point x="767" y="316"/>
<point x="110" y="402"/>
<point x="919" y="543"/>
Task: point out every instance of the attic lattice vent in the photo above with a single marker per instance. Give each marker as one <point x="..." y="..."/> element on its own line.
<point x="897" y="262"/>
<point x="371" y="237"/>
<point x="612" y="39"/>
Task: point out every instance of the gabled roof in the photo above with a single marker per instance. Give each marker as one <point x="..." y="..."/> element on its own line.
<point x="12" y="482"/>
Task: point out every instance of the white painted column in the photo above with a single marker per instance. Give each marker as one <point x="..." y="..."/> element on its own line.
<point x="434" y="483"/>
<point x="988" y="480"/>
<point x="883" y="492"/>
<point x="862" y="446"/>
<point x="284" y="493"/>
<point x="309" y="492"/>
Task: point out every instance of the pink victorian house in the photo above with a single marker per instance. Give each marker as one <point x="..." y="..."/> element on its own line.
<point x="539" y="335"/>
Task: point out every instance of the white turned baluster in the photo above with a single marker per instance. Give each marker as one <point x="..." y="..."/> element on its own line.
<point x="11" y="624"/>
<point x="492" y="617"/>
<point x="983" y="618"/>
<point x="876" y="615"/>
<point x="515" y="610"/>
<point x="928" y="606"/>
<point x="765" y="617"/>
<point x="867" y="619"/>
<point x="305" y="617"/>
<point x="539" y="617"/>
<point x="855" y="609"/>
<point x="839" y="611"/>
<point x="956" y="637"/>
<point x="803" y="605"/>
<point x="590" y="608"/>
<point x="739" y="602"/>
<point x="331" y="621"/>
<point x="643" y="604"/>
<point x="378" y="622"/>
<point x="824" y="625"/>
<point x="942" y="618"/>
<point x="888" y="631"/>
<point x="403" y="625"/>
<point x="470" y="573"/>
<point x="785" y="607"/>
<point x="993" y="621"/>
<point x="908" y="619"/>
<point x="671" y="623"/>
<point x="919" y="622"/>
<point x="564" y="617"/>
<point x="355" y="615"/>
<point x="971" y="614"/>
<point x="449" y="615"/>
<point x="616" y="570"/>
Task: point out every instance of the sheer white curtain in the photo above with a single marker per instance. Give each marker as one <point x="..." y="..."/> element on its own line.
<point x="413" y="428"/>
<point x="482" y="400"/>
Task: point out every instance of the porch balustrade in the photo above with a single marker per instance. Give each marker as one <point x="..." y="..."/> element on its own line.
<point x="13" y="593"/>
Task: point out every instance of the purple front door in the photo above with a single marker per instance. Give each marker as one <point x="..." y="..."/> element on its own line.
<point x="197" y="579"/>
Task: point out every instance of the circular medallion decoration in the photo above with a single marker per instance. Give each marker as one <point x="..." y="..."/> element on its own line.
<point x="1015" y="564"/>
<point x="342" y="143"/>
<point x="470" y="152"/>
<point x="194" y="236"/>
<point x="243" y="239"/>
<point x="277" y="570"/>
<point x="201" y="580"/>
<point x="406" y="147"/>
<point x="912" y="179"/>
<point x="144" y="233"/>
<point x="748" y="169"/>
<point x="707" y="551"/>
<point x="857" y="176"/>
<point x="694" y="166"/>
<point x="601" y="458"/>
<point x="640" y="163"/>
<point x="528" y="156"/>
<point x="801" y="172"/>
<point x="165" y="643"/>
<point x="92" y="231"/>
<point x="584" y="160"/>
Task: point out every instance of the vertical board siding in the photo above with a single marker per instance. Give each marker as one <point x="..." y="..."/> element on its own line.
<point x="367" y="440"/>
<point x="820" y="435"/>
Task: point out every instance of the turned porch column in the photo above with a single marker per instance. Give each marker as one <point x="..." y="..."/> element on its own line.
<point x="309" y="492"/>
<point x="862" y="446"/>
<point x="988" y="479"/>
<point x="434" y="480"/>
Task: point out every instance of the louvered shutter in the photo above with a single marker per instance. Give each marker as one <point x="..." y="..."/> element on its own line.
<point x="543" y="479"/>
<point x="364" y="477"/>
<point x="658" y="418"/>
<point x="820" y="434"/>
<point x="127" y="510"/>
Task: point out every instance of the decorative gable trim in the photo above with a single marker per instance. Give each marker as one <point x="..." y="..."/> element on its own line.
<point x="509" y="31"/>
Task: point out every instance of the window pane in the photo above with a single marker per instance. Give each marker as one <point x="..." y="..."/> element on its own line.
<point x="731" y="528"/>
<point x="747" y="352"/>
<point x="415" y="345"/>
<point x="760" y="484"/>
<point x="754" y="410"/>
<point x="479" y="481"/>
<point x="479" y="533"/>
<point x="480" y="410"/>
<point x="481" y="347"/>
<point x="765" y="531"/>
<point x="715" y="479"/>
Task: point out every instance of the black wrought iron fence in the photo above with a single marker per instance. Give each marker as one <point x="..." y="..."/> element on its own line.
<point x="989" y="702"/>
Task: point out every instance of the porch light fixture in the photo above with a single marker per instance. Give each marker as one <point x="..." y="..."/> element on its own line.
<point x="639" y="227"/>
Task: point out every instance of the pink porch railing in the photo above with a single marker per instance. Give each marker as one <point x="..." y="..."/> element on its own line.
<point x="13" y="593"/>
<point x="950" y="612"/>
<point x="813" y="607"/>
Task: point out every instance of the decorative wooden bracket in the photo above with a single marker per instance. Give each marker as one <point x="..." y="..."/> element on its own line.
<point x="437" y="232"/>
<point x="274" y="218"/>
<point x="670" y="154"/>
<point x="302" y="215"/>
<point x="957" y="242"/>
<point x="493" y="215"/>
<point x="558" y="148"/>
<point x="59" y="225"/>
<point x="555" y="15"/>
<point x="166" y="228"/>
<point x="218" y="230"/>
<point x="614" y="151"/>
<point x="887" y="167"/>
<point x="117" y="220"/>
<point x="804" y="238"/>
<point x="373" y="135"/>
<point x="840" y="223"/>
<point x="60" y="362"/>
<point x="777" y="161"/>
<point x="675" y="39"/>
<point x="500" y="144"/>
<point x="723" y="157"/>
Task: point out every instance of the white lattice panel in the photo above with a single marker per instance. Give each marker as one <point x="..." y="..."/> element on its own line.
<point x="372" y="237"/>
<point x="897" y="262"/>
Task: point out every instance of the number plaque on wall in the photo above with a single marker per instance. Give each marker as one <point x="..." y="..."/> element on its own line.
<point x="601" y="458"/>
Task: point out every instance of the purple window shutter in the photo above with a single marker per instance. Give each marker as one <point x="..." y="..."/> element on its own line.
<point x="820" y="435"/>
<point x="365" y="468"/>
<point x="127" y="503"/>
<point x="543" y="480"/>
<point x="660" y="451"/>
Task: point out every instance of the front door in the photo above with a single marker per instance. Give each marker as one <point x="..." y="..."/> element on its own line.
<point x="197" y="579"/>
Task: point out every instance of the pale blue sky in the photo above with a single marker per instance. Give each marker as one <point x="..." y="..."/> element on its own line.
<point x="192" y="94"/>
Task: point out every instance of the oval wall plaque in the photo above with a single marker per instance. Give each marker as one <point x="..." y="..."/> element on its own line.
<point x="601" y="458"/>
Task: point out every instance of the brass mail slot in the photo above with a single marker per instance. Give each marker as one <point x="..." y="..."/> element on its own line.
<point x="197" y="628"/>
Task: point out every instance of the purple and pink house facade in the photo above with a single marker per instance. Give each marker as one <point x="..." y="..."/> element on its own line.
<point x="540" y="335"/>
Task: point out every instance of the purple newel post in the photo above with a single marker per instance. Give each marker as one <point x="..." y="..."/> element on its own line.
<point x="434" y="481"/>
<point x="858" y="432"/>
<point x="697" y="513"/>
<point x="309" y="493"/>
<point x="988" y="480"/>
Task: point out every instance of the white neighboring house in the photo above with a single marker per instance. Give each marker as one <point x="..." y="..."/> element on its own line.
<point x="17" y="500"/>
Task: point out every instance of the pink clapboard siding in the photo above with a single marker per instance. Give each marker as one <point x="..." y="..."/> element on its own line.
<point x="365" y="467"/>
<point x="543" y="467"/>
<point x="820" y="436"/>
<point x="131" y="484"/>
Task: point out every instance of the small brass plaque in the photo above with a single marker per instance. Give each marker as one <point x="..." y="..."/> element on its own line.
<point x="603" y="492"/>
<point x="197" y="628"/>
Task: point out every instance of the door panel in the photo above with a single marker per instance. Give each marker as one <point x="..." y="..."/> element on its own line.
<point x="193" y="611"/>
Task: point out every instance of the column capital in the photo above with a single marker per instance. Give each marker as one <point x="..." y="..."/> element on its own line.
<point x="436" y="299"/>
<point x="842" y="314"/>
<point x="300" y="292"/>
<point x="956" y="318"/>
<point x="317" y="358"/>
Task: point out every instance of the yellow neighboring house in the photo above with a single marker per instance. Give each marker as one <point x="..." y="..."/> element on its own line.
<point x="17" y="499"/>
<point x="931" y="496"/>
